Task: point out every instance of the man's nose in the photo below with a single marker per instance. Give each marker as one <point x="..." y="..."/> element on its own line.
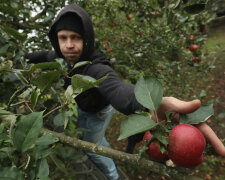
<point x="69" y="43"/>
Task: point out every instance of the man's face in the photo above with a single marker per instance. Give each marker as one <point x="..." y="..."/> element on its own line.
<point x="71" y="45"/>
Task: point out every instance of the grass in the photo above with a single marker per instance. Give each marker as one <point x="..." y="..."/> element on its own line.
<point x="216" y="39"/>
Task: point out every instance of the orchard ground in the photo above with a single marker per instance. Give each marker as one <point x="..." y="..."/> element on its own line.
<point x="213" y="166"/>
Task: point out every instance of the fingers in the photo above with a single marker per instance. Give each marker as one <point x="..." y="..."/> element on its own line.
<point x="176" y="106"/>
<point x="212" y="138"/>
<point x="171" y="104"/>
<point x="188" y="107"/>
<point x="176" y="117"/>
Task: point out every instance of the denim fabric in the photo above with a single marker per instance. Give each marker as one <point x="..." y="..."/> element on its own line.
<point x="96" y="125"/>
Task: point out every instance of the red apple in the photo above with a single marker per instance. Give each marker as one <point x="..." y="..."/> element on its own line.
<point x="186" y="145"/>
<point x="191" y="37"/>
<point x="193" y="47"/>
<point x="140" y="33"/>
<point x="195" y="59"/>
<point x="154" y="148"/>
<point x="157" y="14"/>
<point x="129" y="16"/>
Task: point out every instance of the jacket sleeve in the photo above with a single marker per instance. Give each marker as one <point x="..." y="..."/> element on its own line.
<point x="41" y="56"/>
<point x="118" y="93"/>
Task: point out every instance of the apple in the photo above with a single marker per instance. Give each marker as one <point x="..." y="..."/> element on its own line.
<point x="193" y="47"/>
<point x="154" y="148"/>
<point x="191" y="37"/>
<point x="129" y="16"/>
<point x="157" y="14"/>
<point x="109" y="50"/>
<point x="140" y="33"/>
<point x="195" y="59"/>
<point x="186" y="145"/>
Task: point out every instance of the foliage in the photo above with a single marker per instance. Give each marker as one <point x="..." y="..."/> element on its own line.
<point x="38" y="103"/>
<point x="135" y="124"/>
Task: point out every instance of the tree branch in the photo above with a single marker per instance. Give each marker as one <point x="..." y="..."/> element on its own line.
<point x="123" y="157"/>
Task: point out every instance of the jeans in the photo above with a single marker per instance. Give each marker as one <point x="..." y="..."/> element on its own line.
<point x="96" y="125"/>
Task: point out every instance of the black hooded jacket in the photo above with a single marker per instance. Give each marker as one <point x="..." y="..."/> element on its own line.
<point x="112" y="91"/>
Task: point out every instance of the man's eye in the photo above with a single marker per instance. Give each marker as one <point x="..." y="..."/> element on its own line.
<point x="76" y="37"/>
<point x="62" y="37"/>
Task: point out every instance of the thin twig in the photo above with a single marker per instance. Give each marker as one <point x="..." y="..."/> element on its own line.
<point x="20" y="90"/>
<point x="28" y="107"/>
<point x="55" y="109"/>
<point x="21" y="102"/>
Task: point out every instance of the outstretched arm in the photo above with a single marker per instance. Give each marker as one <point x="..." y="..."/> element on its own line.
<point x="40" y="56"/>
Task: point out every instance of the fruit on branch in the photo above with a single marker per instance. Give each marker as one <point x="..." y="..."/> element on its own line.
<point x="195" y="59"/>
<point x="154" y="148"/>
<point x="193" y="47"/>
<point x="129" y="16"/>
<point x="157" y="14"/>
<point x="191" y="37"/>
<point x="186" y="145"/>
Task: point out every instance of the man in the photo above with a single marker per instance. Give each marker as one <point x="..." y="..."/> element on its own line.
<point x="72" y="38"/>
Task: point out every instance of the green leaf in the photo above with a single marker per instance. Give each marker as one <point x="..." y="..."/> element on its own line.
<point x="44" y="178"/>
<point x="46" y="139"/>
<point x="4" y="112"/>
<point x="45" y="66"/>
<point x="59" y="119"/>
<point x="14" y="5"/>
<point x="9" y="119"/>
<point x="195" y="8"/>
<point x="149" y="92"/>
<point x="4" y="137"/>
<point x="13" y="32"/>
<point x="6" y="66"/>
<point x="8" y="150"/>
<point x="59" y="163"/>
<point x="42" y="152"/>
<point x="4" y="49"/>
<point x="69" y="95"/>
<point x="27" y="131"/>
<point x="82" y="83"/>
<point x="63" y="64"/>
<point x="135" y="124"/>
<point x="175" y="4"/>
<point x="10" y="173"/>
<point x="46" y="80"/>
<point x="200" y="115"/>
<point x="2" y="126"/>
<point x="159" y="133"/>
<point x="34" y="98"/>
<point x="66" y="121"/>
<point x="82" y="63"/>
<point x="43" y="170"/>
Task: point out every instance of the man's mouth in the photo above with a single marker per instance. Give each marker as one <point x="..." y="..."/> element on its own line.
<point x="71" y="54"/>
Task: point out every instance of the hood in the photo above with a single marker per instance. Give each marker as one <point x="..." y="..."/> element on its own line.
<point x="88" y="36"/>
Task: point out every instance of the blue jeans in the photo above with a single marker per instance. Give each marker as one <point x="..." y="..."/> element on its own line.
<point x="96" y="125"/>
